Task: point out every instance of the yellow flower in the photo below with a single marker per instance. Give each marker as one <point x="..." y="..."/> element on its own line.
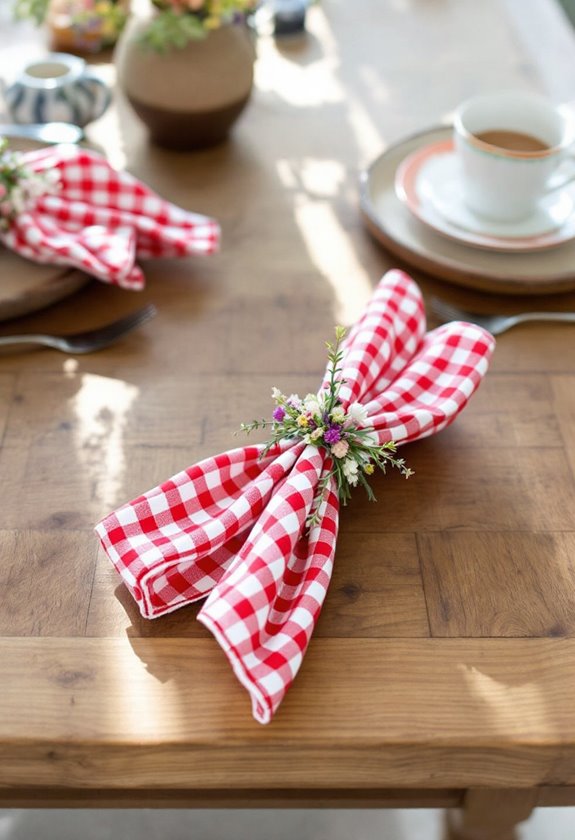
<point x="302" y="421"/>
<point x="368" y="469"/>
<point x="211" y="23"/>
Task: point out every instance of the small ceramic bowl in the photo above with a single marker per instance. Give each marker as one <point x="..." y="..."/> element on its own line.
<point x="59" y="87"/>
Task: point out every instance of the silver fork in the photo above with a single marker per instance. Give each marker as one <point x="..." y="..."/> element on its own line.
<point x="495" y="324"/>
<point x="86" y="342"/>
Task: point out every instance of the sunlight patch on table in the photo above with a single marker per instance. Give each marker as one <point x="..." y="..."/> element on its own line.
<point x="70" y="368"/>
<point x="322" y="177"/>
<point x="305" y="85"/>
<point x="149" y="701"/>
<point x="286" y="174"/>
<point x="106" y="132"/>
<point x="314" y="176"/>
<point x="331" y="250"/>
<point x="509" y="709"/>
<point x="102" y="407"/>
<point x="367" y="138"/>
<point x="379" y="92"/>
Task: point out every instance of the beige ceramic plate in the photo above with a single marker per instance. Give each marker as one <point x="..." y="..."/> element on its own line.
<point x="390" y="221"/>
<point x="26" y="286"/>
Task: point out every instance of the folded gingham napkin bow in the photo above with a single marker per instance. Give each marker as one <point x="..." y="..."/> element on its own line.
<point x="100" y="220"/>
<point x="233" y="527"/>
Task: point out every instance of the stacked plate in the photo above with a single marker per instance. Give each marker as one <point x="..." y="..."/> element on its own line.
<point x="412" y="201"/>
<point x="27" y="286"/>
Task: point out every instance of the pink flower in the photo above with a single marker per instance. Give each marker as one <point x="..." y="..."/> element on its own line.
<point x="339" y="449"/>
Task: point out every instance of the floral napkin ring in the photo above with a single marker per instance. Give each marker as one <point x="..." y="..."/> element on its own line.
<point x="20" y="186"/>
<point x="323" y="421"/>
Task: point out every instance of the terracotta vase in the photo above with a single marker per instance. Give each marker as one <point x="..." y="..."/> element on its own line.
<point x="189" y="98"/>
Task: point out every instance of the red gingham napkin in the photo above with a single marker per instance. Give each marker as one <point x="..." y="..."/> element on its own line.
<point x="100" y="220"/>
<point x="232" y="527"/>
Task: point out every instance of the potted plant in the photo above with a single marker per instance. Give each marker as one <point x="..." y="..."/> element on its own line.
<point x="186" y="68"/>
<point x="82" y="26"/>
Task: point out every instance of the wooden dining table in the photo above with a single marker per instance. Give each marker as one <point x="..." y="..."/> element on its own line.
<point x="442" y="669"/>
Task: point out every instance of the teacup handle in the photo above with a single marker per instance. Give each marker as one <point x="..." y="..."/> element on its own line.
<point x="100" y="92"/>
<point x="559" y="179"/>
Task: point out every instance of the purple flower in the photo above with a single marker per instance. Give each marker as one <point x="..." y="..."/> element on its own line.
<point x="279" y="414"/>
<point x="332" y="435"/>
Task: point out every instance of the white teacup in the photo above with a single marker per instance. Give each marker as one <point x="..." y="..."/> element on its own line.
<point x="511" y="146"/>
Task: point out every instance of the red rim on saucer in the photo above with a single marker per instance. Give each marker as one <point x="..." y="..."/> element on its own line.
<point x="394" y="226"/>
<point x="406" y="185"/>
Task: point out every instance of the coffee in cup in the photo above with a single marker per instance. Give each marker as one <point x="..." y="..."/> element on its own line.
<point x="511" y="147"/>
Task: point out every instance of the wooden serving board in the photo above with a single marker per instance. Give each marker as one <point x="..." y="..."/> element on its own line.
<point x="26" y="286"/>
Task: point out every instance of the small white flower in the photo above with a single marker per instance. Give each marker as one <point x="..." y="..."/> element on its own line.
<point x="37" y="185"/>
<point x="18" y="199"/>
<point x="338" y="414"/>
<point x="276" y="393"/>
<point x="294" y="401"/>
<point x="311" y="404"/>
<point x="316" y="434"/>
<point x="52" y="176"/>
<point x="357" y="413"/>
<point x="350" y="468"/>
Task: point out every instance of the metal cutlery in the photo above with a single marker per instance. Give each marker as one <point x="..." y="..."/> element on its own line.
<point x="495" y="324"/>
<point x="86" y="342"/>
<point x="52" y="132"/>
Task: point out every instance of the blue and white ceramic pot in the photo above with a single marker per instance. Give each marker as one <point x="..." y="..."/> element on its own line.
<point x="61" y="88"/>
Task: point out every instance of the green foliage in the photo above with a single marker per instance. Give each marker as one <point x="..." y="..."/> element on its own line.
<point x="170" y="29"/>
<point x="35" y="10"/>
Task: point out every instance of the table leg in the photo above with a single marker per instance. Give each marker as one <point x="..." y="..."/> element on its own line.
<point x="490" y="814"/>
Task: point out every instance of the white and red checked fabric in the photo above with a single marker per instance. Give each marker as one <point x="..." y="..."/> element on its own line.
<point x="100" y="220"/>
<point x="232" y="527"/>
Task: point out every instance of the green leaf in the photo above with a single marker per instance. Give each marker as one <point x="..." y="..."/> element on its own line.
<point x="172" y="30"/>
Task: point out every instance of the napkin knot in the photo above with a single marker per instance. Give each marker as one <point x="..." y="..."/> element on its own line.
<point x="349" y="447"/>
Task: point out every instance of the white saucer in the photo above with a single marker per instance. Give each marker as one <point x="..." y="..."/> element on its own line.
<point x="428" y="182"/>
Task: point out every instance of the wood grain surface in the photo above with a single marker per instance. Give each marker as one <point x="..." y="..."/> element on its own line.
<point x="444" y="659"/>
